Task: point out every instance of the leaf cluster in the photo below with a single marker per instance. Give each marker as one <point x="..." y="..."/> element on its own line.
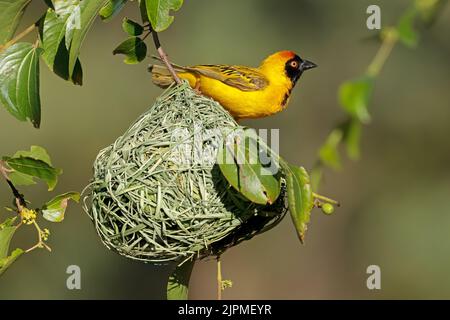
<point x="354" y="95"/>
<point x="62" y="29"/>
<point x="22" y="169"/>
<point x="240" y="161"/>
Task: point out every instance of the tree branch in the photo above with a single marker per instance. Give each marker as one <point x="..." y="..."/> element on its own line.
<point x="383" y="53"/>
<point x="163" y="55"/>
<point x="20" y="201"/>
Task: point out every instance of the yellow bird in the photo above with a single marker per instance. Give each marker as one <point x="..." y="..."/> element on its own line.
<point x="244" y="91"/>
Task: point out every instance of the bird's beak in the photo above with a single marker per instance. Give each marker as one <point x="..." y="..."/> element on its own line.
<point x="307" y="65"/>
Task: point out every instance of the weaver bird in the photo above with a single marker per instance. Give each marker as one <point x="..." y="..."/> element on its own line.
<point x="244" y="91"/>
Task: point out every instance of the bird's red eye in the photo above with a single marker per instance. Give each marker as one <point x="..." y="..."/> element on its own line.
<point x="294" y="64"/>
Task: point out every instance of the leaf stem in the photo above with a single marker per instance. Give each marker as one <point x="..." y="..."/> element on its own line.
<point x="18" y="37"/>
<point x="163" y="55"/>
<point x="373" y="70"/>
<point x="325" y="199"/>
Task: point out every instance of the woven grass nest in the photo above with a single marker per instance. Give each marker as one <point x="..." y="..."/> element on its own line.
<point x="154" y="199"/>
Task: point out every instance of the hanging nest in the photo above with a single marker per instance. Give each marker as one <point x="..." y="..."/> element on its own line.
<point x="157" y="194"/>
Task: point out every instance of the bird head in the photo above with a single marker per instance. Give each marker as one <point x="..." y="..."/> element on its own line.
<point x="288" y="63"/>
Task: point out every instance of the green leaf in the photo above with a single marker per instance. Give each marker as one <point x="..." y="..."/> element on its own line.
<point x="36" y="152"/>
<point x="158" y="12"/>
<point x="77" y="74"/>
<point x="69" y="12"/>
<point x="11" y="11"/>
<point x="131" y="27"/>
<point x="300" y="198"/>
<point x="328" y="153"/>
<point x="35" y="168"/>
<point x="21" y="179"/>
<point x="111" y="9"/>
<point x="6" y="233"/>
<point x="55" y="209"/>
<point x="53" y="28"/>
<point x="405" y="28"/>
<point x="178" y="284"/>
<point x="354" y="97"/>
<point x="88" y="12"/>
<point x="133" y="48"/>
<point x="240" y="163"/>
<point x="8" y="222"/>
<point x="19" y="84"/>
<point x="352" y="138"/>
<point x="6" y="262"/>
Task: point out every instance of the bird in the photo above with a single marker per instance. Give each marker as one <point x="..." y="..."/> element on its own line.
<point x="246" y="92"/>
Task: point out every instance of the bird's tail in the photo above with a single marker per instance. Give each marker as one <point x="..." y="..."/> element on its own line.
<point x="161" y="75"/>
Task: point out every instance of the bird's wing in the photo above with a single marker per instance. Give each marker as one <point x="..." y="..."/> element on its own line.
<point x="240" y="77"/>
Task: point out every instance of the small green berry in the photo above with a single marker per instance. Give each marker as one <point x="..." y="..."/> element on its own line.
<point x="327" y="208"/>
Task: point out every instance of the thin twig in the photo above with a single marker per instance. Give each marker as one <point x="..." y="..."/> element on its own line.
<point x="219" y="279"/>
<point x="390" y="40"/>
<point x="40" y="243"/>
<point x="4" y="170"/>
<point x="163" y="56"/>
<point x="326" y="199"/>
<point x="383" y="53"/>
<point x="18" y="37"/>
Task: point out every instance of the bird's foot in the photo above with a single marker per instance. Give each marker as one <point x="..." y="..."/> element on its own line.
<point x="197" y="88"/>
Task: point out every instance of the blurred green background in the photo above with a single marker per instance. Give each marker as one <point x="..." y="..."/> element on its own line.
<point x="396" y="207"/>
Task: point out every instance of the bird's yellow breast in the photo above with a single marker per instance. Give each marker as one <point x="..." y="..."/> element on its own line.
<point x="243" y="104"/>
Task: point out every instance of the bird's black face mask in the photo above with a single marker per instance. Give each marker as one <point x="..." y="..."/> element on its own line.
<point x="295" y="67"/>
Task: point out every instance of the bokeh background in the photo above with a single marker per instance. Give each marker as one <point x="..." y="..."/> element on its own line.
<point x="396" y="207"/>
